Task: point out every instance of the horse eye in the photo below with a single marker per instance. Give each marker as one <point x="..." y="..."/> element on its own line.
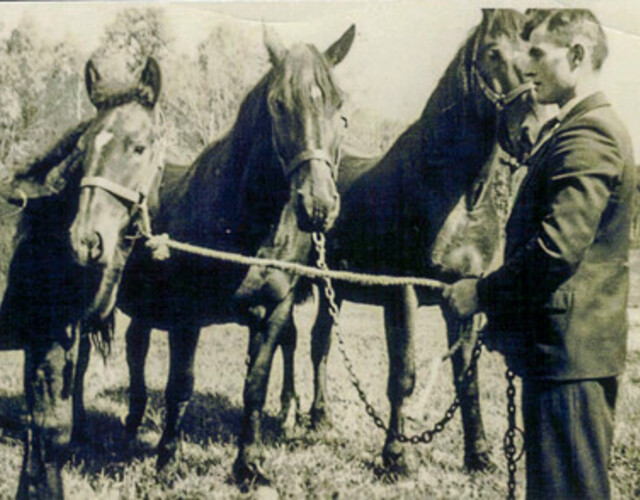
<point x="138" y="149"/>
<point x="495" y="55"/>
<point x="345" y="121"/>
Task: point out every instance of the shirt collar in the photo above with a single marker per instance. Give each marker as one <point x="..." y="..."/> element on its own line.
<point x="570" y="104"/>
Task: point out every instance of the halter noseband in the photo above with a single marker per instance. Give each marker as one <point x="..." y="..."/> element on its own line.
<point x="312" y="154"/>
<point x="499" y="100"/>
<point x="137" y="199"/>
<point x="120" y="192"/>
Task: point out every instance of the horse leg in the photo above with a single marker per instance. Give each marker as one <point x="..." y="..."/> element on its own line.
<point x="79" y="432"/>
<point x="289" y="402"/>
<point x="320" y="346"/>
<point x="477" y="455"/>
<point x="49" y="425"/>
<point x="262" y="344"/>
<point x="137" y="338"/>
<point x="183" y="342"/>
<point x="399" y="316"/>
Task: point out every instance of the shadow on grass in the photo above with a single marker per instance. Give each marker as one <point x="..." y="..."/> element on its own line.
<point x="13" y="416"/>
<point x="210" y="418"/>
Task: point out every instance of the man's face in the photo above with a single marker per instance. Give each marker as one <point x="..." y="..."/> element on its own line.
<point x="549" y="68"/>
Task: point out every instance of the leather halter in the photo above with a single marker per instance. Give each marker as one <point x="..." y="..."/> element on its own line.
<point x="308" y="155"/>
<point x="499" y="99"/>
<point x="120" y="192"/>
<point x="135" y="198"/>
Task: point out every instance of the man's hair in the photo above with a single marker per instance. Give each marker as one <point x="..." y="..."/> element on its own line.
<point x="567" y="24"/>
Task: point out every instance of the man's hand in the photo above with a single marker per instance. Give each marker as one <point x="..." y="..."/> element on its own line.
<point x="462" y="297"/>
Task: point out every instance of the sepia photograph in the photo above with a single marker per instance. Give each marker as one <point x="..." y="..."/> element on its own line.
<point x="356" y="249"/>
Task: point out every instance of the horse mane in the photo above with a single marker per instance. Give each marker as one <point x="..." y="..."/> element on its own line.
<point x="225" y="186"/>
<point x="457" y="110"/>
<point x="52" y="175"/>
<point x="38" y="168"/>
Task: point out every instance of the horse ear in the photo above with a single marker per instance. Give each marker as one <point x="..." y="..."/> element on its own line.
<point x="486" y="14"/>
<point x="273" y="44"/>
<point x="150" y="82"/>
<point x="91" y="80"/>
<point x="337" y="52"/>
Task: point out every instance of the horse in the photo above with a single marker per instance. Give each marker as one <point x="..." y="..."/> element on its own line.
<point x="259" y="190"/>
<point x="83" y="198"/>
<point x="426" y="208"/>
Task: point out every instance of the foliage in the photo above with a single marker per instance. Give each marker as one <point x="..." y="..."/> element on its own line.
<point x="38" y="93"/>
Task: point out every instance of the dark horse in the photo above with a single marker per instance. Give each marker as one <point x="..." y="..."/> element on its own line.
<point x="83" y="199"/>
<point x="422" y="210"/>
<point x="251" y="192"/>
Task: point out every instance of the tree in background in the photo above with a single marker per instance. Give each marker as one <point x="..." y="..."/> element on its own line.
<point x="204" y="90"/>
<point x="36" y="79"/>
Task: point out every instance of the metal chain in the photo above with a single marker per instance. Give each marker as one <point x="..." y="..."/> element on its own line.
<point x="426" y="436"/>
<point x="510" y="450"/>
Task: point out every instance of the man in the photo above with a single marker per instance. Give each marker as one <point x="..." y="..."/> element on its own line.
<point x="557" y="307"/>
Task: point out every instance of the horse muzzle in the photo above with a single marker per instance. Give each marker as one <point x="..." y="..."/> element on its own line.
<point x="88" y="247"/>
<point x="318" y="207"/>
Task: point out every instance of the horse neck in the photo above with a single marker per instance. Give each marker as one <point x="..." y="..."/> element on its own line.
<point x="236" y="188"/>
<point x="458" y="124"/>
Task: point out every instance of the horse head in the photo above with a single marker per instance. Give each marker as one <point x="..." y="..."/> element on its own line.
<point x="497" y="72"/>
<point x="123" y="161"/>
<point x="307" y="127"/>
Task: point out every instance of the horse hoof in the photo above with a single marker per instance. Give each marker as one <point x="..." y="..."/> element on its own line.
<point x="289" y="417"/>
<point x="479" y="462"/>
<point x="250" y="475"/>
<point x="166" y="453"/>
<point x="320" y="420"/>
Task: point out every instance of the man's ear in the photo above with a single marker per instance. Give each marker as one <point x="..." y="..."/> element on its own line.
<point x="577" y="54"/>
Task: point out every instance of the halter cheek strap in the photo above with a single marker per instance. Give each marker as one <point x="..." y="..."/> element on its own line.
<point x="499" y="100"/>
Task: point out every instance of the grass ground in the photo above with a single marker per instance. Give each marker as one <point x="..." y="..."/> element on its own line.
<point x="339" y="464"/>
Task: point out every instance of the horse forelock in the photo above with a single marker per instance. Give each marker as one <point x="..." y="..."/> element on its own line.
<point x="106" y="97"/>
<point x="303" y="71"/>
<point x="504" y="22"/>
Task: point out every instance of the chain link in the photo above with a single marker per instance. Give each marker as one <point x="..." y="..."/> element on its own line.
<point x="424" y="437"/>
<point x="510" y="450"/>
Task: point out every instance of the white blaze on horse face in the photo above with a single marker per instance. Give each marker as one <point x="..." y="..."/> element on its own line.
<point x="121" y="152"/>
<point x="102" y="139"/>
<point x="304" y="104"/>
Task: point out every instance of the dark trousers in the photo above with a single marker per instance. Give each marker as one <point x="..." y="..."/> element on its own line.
<point x="568" y="437"/>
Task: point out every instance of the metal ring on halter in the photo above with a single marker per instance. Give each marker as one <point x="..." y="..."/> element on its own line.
<point x="308" y="155"/>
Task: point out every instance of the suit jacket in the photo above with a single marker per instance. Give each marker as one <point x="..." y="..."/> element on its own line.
<point x="557" y="307"/>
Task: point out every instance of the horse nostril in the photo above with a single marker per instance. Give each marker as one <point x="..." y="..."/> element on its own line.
<point x="93" y="243"/>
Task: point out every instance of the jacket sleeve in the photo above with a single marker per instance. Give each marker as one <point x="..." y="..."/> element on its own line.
<point x="584" y="169"/>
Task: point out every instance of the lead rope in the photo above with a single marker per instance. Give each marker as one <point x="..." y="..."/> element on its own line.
<point x="426" y="436"/>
